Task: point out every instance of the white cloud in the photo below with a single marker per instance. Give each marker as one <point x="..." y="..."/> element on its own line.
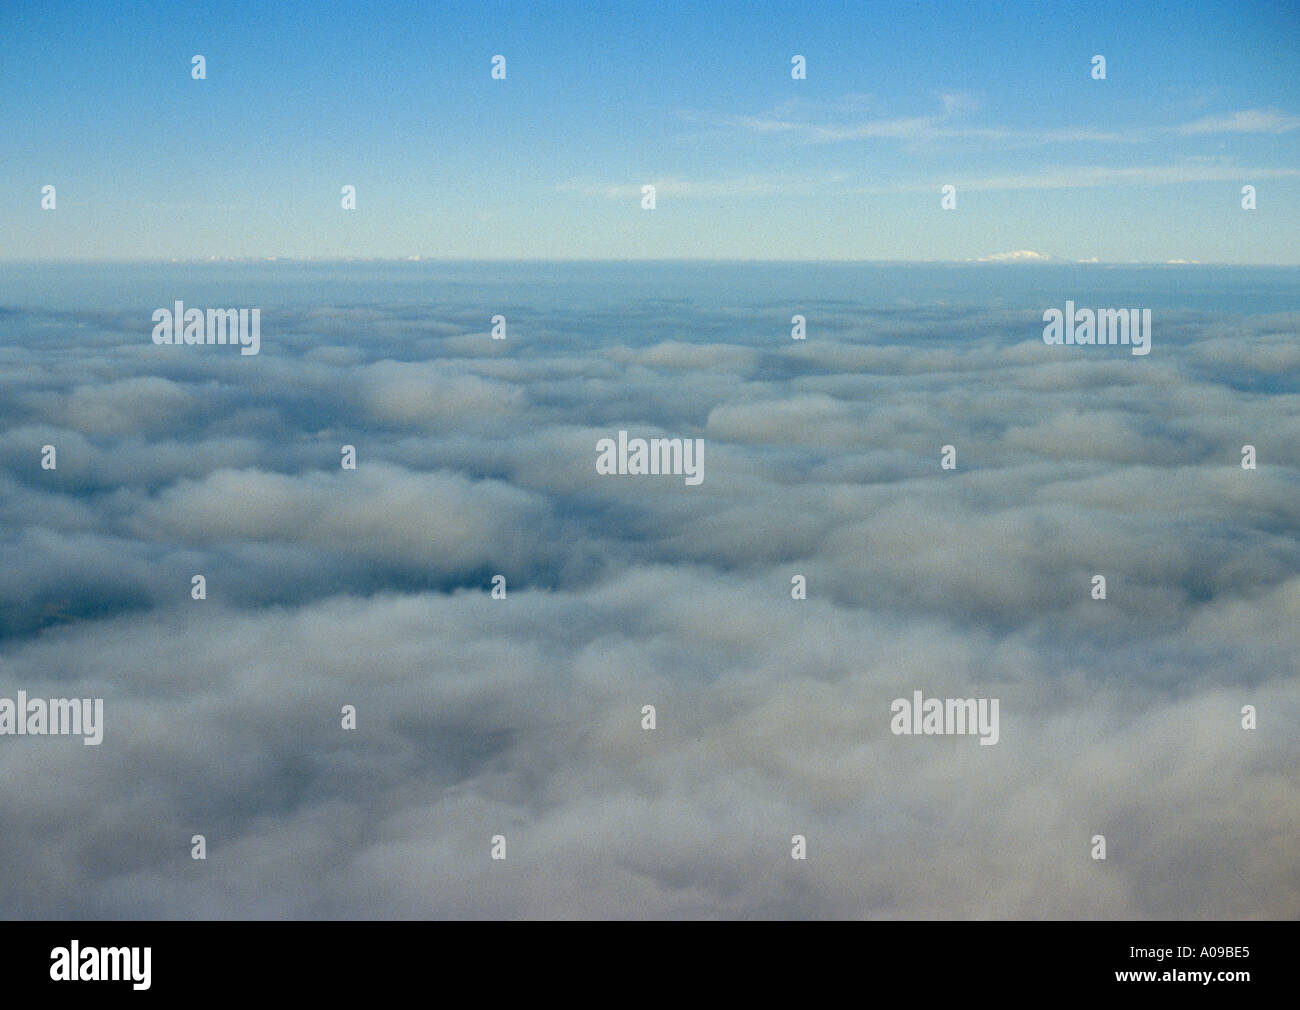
<point x="521" y="716"/>
<point x="1019" y="256"/>
<point x="677" y="188"/>
<point x="1088" y="176"/>
<point x="1247" y="121"/>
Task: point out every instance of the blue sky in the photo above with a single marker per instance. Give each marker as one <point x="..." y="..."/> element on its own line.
<point x="697" y="99"/>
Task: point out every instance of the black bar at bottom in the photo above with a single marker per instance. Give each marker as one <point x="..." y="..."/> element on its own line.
<point x="610" y="961"/>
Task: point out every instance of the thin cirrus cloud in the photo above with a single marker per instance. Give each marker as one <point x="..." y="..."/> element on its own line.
<point x="1248" y="121"/>
<point x="1064" y="177"/>
<point x="1088" y="176"/>
<point x="948" y="125"/>
<point x="707" y="189"/>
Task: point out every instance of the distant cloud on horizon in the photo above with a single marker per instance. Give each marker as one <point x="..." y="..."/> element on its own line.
<point x="1019" y="256"/>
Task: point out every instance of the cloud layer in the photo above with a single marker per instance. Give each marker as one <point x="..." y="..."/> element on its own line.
<point x="521" y="716"/>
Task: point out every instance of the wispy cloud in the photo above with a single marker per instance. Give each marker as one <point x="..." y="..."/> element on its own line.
<point x="799" y="120"/>
<point x="1059" y="177"/>
<point x="1089" y="176"/>
<point x="677" y="188"/>
<point x="781" y="120"/>
<point x="1247" y="121"/>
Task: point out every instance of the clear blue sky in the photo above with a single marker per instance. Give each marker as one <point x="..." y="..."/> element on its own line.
<point x="696" y="98"/>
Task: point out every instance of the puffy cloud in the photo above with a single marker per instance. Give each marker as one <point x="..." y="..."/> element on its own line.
<point x="522" y="716"/>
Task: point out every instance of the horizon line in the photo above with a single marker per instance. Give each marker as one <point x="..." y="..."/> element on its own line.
<point x="1046" y="261"/>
